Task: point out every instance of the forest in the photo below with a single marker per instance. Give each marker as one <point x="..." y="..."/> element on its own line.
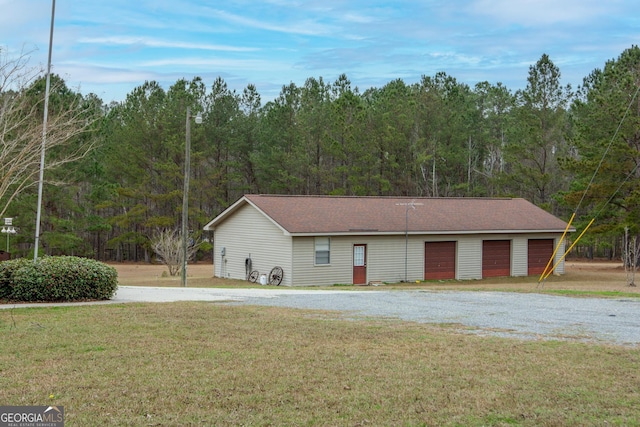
<point x="115" y="173"/>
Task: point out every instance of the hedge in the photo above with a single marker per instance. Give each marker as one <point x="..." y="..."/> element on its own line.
<point x="62" y="278"/>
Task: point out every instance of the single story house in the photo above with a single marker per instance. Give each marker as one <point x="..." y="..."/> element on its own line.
<point x="325" y="240"/>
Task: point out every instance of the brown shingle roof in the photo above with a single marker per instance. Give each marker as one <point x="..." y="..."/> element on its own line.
<point x="343" y="215"/>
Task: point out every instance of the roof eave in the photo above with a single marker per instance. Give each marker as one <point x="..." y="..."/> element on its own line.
<point x="211" y="225"/>
<point x="424" y="232"/>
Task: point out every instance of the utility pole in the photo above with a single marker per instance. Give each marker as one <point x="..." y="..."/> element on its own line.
<point x="411" y="204"/>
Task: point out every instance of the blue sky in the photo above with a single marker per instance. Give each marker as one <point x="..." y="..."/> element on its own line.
<point x="111" y="47"/>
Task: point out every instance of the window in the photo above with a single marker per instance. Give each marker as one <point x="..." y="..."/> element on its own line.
<point x="323" y="250"/>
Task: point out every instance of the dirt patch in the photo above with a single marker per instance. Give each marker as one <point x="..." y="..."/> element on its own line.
<point x="580" y="275"/>
<point x="158" y="274"/>
<point x="594" y="275"/>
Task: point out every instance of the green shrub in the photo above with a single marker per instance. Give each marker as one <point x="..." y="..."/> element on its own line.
<point x="63" y="278"/>
<point x="7" y="268"/>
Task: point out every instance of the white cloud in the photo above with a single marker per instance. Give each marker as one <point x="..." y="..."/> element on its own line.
<point x="211" y="63"/>
<point x="306" y="26"/>
<point x="274" y="42"/>
<point x="98" y="74"/>
<point x="157" y="43"/>
<point x="358" y="18"/>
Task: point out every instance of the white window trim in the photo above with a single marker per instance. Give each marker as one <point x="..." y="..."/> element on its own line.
<point x="315" y="252"/>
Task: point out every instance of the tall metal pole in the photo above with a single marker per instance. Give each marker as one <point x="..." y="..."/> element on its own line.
<point x="406" y="241"/>
<point x="185" y="196"/>
<point x="411" y="205"/>
<point x="44" y="134"/>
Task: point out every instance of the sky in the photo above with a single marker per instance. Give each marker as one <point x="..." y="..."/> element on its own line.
<point x="111" y="47"/>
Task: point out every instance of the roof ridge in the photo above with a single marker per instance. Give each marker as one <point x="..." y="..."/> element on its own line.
<point x="328" y="196"/>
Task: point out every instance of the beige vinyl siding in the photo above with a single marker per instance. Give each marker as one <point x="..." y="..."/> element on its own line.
<point x="559" y="255"/>
<point x="307" y="273"/>
<point x="385" y="260"/>
<point x="469" y="259"/>
<point x="251" y="234"/>
<point x="519" y="255"/>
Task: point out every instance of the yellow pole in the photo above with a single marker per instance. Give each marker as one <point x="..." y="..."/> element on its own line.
<point x="557" y="247"/>
<point x="571" y="247"/>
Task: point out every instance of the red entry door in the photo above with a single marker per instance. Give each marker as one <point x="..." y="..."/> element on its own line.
<point x="359" y="264"/>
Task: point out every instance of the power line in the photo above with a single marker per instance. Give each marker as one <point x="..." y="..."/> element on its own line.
<point x="593" y="177"/>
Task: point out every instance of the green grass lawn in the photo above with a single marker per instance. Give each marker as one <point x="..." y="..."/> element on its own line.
<point x="181" y="364"/>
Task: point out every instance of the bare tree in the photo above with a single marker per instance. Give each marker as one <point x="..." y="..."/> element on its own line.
<point x="21" y="124"/>
<point x="167" y="244"/>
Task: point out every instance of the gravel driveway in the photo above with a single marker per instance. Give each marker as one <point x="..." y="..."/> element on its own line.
<point x="523" y="316"/>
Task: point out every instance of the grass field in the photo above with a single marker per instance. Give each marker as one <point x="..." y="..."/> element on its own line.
<point x="181" y="364"/>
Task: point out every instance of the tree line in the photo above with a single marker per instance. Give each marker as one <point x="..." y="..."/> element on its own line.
<point x="547" y="143"/>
